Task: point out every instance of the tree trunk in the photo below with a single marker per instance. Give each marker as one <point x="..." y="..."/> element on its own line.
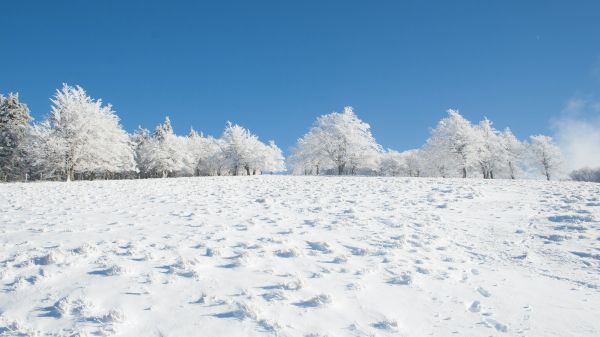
<point x="464" y="172"/>
<point x="70" y="175"/>
<point x="341" y="169"/>
<point x="317" y="169"/>
<point x="247" y="170"/>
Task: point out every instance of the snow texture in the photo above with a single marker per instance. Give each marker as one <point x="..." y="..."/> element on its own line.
<point x="300" y="256"/>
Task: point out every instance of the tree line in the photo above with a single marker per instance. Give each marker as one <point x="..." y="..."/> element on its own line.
<point x="82" y="138"/>
<point x="340" y="143"/>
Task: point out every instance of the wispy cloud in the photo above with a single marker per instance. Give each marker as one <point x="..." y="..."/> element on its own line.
<point x="577" y="131"/>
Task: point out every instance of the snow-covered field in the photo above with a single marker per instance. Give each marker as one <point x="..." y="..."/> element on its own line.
<point x="300" y="256"/>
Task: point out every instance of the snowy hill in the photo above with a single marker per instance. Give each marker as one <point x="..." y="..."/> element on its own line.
<point x="300" y="256"/>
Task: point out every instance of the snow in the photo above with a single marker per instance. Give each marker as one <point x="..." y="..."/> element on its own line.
<point x="300" y="256"/>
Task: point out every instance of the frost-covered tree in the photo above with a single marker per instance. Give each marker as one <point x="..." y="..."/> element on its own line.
<point x="272" y="159"/>
<point x="308" y="156"/>
<point x="196" y="152"/>
<point x="451" y="145"/>
<point x="342" y="140"/>
<point x="44" y="152"/>
<point x="438" y="161"/>
<point x="413" y="162"/>
<point x="489" y="150"/>
<point x="166" y="152"/>
<point x="546" y="156"/>
<point x="216" y="163"/>
<point x="407" y="164"/>
<point x="393" y="163"/>
<point x="513" y="149"/>
<point x="240" y="146"/>
<point x="141" y="140"/>
<point x="14" y="126"/>
<point x="243" y="151"/>
<point x="86" y="136"/>
<point x="586" y="174"/>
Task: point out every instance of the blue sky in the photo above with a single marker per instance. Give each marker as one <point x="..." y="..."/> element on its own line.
<point x="273" y="66"/>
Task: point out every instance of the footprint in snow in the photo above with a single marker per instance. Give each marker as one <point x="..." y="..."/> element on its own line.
<point x="287" y="253"/>
<point x="492" y="323"/>
<point x="483" y="292"/>
<point x="110" y="271"/>
<point x="317" y="301"/>
<point x="322" y="247"/>
<point x="404" y="279"/>
<point x="475" y="306"/>
<point x="386" y="324"/>
<point x="276" y="295"/>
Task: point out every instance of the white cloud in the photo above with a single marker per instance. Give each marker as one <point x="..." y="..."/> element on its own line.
<point x="577" y="132"/>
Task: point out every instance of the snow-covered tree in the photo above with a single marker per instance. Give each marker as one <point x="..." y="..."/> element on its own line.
<point x="242" y="150"/>
<point x="438" y="161"/>
<point x="44" y="152"/>
<point x="166" y="152"/>
<point x="546" y="156"/>
<point x="14" y="126"/>
<point x="342" y="140"/>
<point x="142" y="145"/>
<point x="216" y="163"/>
<point x="586" y="174"/>
<point x="87" y="136"/>
<point x="451" y="145"/>
<point x="308" y="156"/>
<point x="196" y="152"/>
<point x="393" y="163"/>
<point x="489" y="151"/>
<point x="413" y="162"/>
<point x="272" y="158"/>
<point x="513" y="149"/>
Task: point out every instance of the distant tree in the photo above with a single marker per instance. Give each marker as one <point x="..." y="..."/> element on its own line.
<point x="271" y="158"/>
<point x="546" y="156"/>
<point x="86" y="136"/>
<point x="343" y="140"/>
<point x="240" y="146"/>
<point x="142" y="145"/>
<point x="243" y="151"/>
<point x="166" y="152"/>
<point x="414" y="162"/>
<point x="197" y="152"/>
<point x="14" y="126"/>
<point x="44" y="152"/>
<point x="308" y="156"/>
<point x="490" y="153"/>
<point x="216" y="163"/>
<point x="451" y="145"/>
<point x="393" y="163"/>
<point x="514" y="150"/>
<point x="586" y="174"/>
<point x="438" y="161"/>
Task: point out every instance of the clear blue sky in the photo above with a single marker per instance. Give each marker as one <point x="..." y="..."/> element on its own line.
<point x="273" y="66"/>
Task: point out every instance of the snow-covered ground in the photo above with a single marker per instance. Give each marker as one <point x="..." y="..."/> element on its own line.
<point x="300" y="256"/>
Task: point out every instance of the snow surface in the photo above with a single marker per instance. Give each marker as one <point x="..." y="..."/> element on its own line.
<point x="300" y="256"/>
